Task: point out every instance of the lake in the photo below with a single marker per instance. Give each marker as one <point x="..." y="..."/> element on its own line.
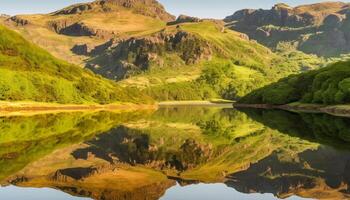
<point x="175" y="153"/>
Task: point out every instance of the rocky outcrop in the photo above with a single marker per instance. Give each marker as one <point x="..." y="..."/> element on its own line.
<point x="302" y="25"/>
<point x="279" y="15"/>
<point x="79" y="173"/>
<point x="19" y="20"/>
<point x="138" y="54"/>
<point x="185" y="19"/>
<point x="151" y="8"/>
<point x="91" y="50"/>
<point x="72" y="28"/>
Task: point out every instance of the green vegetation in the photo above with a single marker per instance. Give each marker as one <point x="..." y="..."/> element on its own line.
<point x="201" y="143"/>
<point x="329" y="85"/>
<point x="205" y="148"/>
<point x="27" y="139"/>
<point x="321" y="128"/>
<point x="236" y="66"/>
<point x="30" y="73"/>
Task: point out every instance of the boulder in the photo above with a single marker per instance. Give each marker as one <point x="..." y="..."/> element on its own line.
<point x="185" y="19"/>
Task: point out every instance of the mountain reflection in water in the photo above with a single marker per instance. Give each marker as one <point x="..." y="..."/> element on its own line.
<point x="173" y="151"/>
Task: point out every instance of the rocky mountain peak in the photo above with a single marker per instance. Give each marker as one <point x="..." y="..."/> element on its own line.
<point x="151" y="8"/>
<point x="320" y="28"/>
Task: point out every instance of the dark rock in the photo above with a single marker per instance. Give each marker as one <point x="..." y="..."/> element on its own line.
<point x="137" y="54"/>
<point x="81" y="49"/>
<point x="65" y="27"/>
<point x="185" y="19"/>
<point x="320" y="29"/>
<point x="19" y="21"/>
<point x="332" y="21"/>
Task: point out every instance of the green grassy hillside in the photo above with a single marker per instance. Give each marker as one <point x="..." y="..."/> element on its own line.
<point x="329" y="85"/>
<point x="235" y="67"/>
<point x="28" y="73"/>
<point x="197" y="60"/>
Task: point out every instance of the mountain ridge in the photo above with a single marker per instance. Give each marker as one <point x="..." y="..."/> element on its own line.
<point x="151" y="8"/>
<point x="319" y="28"/>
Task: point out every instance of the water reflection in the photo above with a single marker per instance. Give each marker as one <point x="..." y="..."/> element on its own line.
<point x="166" y="153"/>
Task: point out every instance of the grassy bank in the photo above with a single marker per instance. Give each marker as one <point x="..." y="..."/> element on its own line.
<point x="33" y="108"/>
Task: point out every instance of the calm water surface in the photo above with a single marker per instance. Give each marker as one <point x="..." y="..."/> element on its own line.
<point x="175" y="153"/>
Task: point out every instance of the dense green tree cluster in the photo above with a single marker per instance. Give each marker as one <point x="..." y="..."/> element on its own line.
<point x="329" y="85"/>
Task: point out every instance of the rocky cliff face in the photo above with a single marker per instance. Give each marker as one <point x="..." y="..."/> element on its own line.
<point x="73" y="28"/>
<point x="302" y="26"/>
<point x="138" y="54"/>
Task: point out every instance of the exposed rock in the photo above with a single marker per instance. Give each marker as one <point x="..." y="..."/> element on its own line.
<point x="81" y="49"/>
<point x="302" y="25"/>
<point x="185" y="19"/>
<point x="279" y="16"/>
<point x="65" y="175"/>
<point x="79" y="29"/>
<point x="138" y="53"/>
<point x="19" y="21"/>
<point x="333" y="21"/>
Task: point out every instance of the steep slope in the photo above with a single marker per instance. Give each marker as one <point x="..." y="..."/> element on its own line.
<point x="320" y="29"/>
<point x="90" y="25"/>
<point x="329" y="85"/>
<point x="30" y="73"/>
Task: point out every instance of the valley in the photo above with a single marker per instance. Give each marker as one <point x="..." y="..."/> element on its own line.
<point x="147" y="50"/>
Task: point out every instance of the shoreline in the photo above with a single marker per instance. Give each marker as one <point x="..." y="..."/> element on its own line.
<point x="33" y="108"/>
<point x="335" y="110"/>
<point x="196" y="103"/>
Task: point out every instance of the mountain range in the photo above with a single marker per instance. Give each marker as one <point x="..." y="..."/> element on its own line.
<point x="146" y="50"/>
<point x="320" y="28"/>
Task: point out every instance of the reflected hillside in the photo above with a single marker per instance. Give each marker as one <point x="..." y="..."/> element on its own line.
<point x="24" y="140"/>
<point x="141" y="156"/>
<point x="322" y="173"/>
<point x="319" y="174"/>
<point x="320" y="128"/>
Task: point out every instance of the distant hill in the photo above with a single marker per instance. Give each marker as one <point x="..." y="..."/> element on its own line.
<point x="29" y="73"/>
<point x="321" y="28"/>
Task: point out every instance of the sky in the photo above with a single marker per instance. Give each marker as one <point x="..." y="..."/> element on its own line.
<point x="199" y="8"/>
